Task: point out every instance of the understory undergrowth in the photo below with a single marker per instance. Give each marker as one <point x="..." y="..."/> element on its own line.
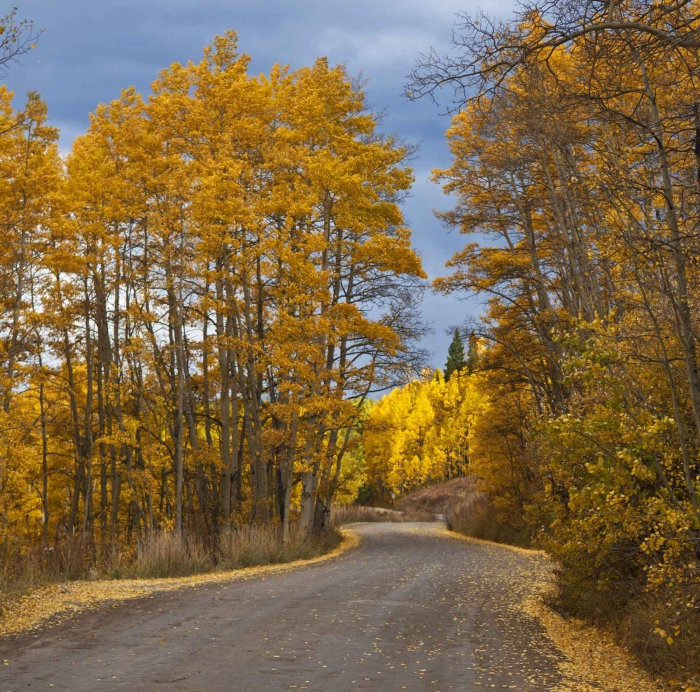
<point x="665" y="640"/>
<point x="161" y="554"/>
<point x="468" y="511"/>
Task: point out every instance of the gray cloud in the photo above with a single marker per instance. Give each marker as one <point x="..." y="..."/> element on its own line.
<point x="91" y="49"/>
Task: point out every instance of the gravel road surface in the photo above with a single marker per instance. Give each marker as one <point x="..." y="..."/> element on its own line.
<point x="410" y="609"/>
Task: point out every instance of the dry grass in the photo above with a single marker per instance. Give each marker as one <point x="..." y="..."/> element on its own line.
<point x="349" y="514"/>
<point x="59" y="603"/>
<point x="437" y="499"/>
<point x="159" y="555"/>
<point x="250" y="546"/>
<point x="166" y="555"/>
<point x="169" y="555"/>
<point x="23" y="567"/>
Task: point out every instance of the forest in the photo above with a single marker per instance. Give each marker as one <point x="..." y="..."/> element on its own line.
<point x="202" y="304"/>
<point x="196" y="303"/>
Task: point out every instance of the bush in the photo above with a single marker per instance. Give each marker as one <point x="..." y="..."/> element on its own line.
<point x="467" y="510"/>
<point x="643" y="628"/>
<point x="475" y="516"/>
<point x="439" y="497"/>
<point x="664" y="637"/>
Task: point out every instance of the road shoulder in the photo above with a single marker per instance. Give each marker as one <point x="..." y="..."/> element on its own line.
<point x="594" y="662"/>
<point x="57" y="603"/>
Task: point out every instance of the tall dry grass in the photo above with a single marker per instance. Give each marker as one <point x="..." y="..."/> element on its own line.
<point x="160" y="554"/>
<point x="249" y="546"/>
<point x="164" y="554"/>
<point x="23" y="567"/>
<point x="167" y="555"/>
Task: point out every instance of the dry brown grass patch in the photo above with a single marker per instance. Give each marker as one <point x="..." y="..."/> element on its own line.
<point x="350" y="514"/>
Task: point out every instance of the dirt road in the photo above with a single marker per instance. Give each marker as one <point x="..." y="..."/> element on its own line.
<point x="410" y="609"/>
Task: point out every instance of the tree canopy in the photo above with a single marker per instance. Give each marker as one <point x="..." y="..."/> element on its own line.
<point x="197" y="302"/>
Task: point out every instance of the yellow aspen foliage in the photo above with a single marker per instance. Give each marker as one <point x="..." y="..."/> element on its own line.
<point x="422" y="433"/>
<point x="197" y="305"/>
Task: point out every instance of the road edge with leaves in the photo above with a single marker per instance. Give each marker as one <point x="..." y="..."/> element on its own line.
<point x="54" y="604"/>
<point x="594" y="661"/>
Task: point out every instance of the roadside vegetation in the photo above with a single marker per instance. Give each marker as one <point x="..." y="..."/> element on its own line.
<point x="162" y="555"/>
<point x="465" y="509"/>
<point x="575" y="173"/>
<point x="158" y="555"/>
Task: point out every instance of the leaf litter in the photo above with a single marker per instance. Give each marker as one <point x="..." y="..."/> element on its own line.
<point x="57" y="603"/>
<point x="594" y="662"/>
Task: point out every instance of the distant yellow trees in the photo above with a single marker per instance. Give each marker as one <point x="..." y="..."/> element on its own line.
<point x="421" y="433"/>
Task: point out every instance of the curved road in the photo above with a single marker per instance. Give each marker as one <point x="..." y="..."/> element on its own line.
<point x="410" y="609"/>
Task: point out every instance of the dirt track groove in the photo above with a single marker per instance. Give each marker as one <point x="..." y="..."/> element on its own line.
<point x="408" y="610"/>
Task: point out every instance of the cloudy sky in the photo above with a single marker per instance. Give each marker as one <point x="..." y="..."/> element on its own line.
<point x="90" y="49"/>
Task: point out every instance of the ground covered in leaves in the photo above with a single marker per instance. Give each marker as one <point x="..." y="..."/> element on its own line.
<point x="593" y="660"/>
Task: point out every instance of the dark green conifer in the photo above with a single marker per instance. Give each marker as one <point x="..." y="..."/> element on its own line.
<point x="455" y="356"/>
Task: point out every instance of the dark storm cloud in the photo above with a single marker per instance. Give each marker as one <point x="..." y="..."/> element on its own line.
<point x="91" y="49"/>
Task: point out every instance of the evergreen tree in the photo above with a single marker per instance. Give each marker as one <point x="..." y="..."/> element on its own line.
<point x="455" y="356"/>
